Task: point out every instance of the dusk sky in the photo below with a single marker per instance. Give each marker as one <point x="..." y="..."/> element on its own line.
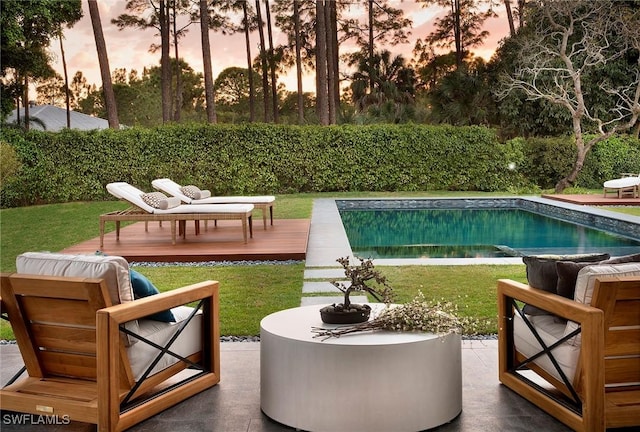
<point x="129" y="48"/>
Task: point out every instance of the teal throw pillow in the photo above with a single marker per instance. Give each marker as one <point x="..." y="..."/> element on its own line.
<point x="142" y="287"/>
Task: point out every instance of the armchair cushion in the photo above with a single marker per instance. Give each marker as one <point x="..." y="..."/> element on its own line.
<point x="585" y="284"/>
<point x="568" y="272"/>
<point x="113" y="269"/>
<point x="190" y="341"/>
<point x="550" y="329"/>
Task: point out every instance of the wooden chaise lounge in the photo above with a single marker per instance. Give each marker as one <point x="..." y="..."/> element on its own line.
<point x="141" y="211"/>
<point x="263" y="202"/>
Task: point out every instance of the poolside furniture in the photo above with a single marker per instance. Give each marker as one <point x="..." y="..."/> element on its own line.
<point x="170" y="209"/>
<point x="628" y="184"/>
<point x="579" y="362"/>
<point x="375" y="381"/>
<point x="264" y="203"/>
<point x="90" y="352"/>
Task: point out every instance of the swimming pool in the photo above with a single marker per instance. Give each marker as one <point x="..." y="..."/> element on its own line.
<point x="473" y="228"/>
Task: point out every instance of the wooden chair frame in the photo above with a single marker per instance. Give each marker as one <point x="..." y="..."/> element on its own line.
<point x="73" y="345"/>
<point x="608" y="370"/>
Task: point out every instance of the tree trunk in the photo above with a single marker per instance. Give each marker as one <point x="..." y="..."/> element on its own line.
<point x="178" y="110"/>
<point x="521" y="4"/>
<point x="334" y="62"/>
<point x="370" y="45"/>
<point x="272" y="65"/>
<point x="322" y="103"/>
<point x="252" y="90"/>
<point x="331" y="78"/>
<point x="103" y="60"/>
<point x="296" y="18"/>
<point x="25" y="102"/>
<point x="165" y="65"/>
<point x="66" y="81"/>
<point x="263" y="58"/>
<point x="206" y="59"/>
<point x="512" y="27"/>
<point x="458" y="35"/>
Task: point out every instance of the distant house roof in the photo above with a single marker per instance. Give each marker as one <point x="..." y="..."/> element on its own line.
<point x="55" y="119"/>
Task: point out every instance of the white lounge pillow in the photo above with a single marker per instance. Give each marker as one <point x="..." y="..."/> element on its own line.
<point x="191" y="191"/>
<point x="160" y="201"/>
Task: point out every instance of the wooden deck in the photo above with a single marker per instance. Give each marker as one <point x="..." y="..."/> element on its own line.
<point x="595" y="200"/>
<point x="286" y="239"/>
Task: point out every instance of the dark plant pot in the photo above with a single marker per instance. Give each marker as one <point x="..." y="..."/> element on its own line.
<point x="337" y="314"/>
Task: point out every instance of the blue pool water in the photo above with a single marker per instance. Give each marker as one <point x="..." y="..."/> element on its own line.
<point x="472" y="233"/>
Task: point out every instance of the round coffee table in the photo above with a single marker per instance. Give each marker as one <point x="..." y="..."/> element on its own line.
<point x="375" y="381"/>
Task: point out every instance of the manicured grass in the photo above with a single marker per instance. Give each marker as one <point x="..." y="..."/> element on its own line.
<point x="248" y="293"/>
<point x="630" y="210"/>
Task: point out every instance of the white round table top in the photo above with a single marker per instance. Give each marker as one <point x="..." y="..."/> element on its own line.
<point x="297" y="323"/>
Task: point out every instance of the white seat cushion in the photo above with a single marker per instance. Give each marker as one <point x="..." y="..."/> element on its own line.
<point x="189" y="342"/>
<point x="550" y="329"/>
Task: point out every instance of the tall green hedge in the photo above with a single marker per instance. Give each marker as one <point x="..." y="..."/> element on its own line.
<point x="259" y="158"/>
<point x="254" y="158"/>
<point x="547" y="160"/>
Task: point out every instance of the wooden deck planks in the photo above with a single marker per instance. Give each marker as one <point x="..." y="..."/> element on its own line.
<point x="596" y="200"/>
<point x="286" y="239"/>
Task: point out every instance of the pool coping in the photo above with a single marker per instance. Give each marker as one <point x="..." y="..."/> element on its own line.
<point x="328" y="239"/>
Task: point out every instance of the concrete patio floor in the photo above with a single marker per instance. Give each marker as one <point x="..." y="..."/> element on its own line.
<point x="234" y="404"/>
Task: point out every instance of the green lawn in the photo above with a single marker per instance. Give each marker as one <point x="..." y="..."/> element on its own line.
<point x="248" y="293"/>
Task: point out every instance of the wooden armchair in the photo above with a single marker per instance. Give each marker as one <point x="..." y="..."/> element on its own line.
<point x="604" y="391"/>
<point x="84" y="364"/>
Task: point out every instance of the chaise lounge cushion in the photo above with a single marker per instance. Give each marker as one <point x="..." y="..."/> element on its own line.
<point x="623" y="182"/>
<point x="170" y="187"/>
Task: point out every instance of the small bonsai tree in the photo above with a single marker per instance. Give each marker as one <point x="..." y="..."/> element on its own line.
<point x="360" y="275"/>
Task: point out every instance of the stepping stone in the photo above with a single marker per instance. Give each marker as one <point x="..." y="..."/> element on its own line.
<point x="319" y="287"/>
<point x="323" y="273"/>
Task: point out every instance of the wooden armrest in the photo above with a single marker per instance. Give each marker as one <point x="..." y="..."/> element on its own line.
<point x="139" y="308"/>
<point x="553" y="303"/>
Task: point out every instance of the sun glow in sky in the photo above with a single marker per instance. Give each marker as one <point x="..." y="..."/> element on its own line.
<point x="129" y="48"/>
